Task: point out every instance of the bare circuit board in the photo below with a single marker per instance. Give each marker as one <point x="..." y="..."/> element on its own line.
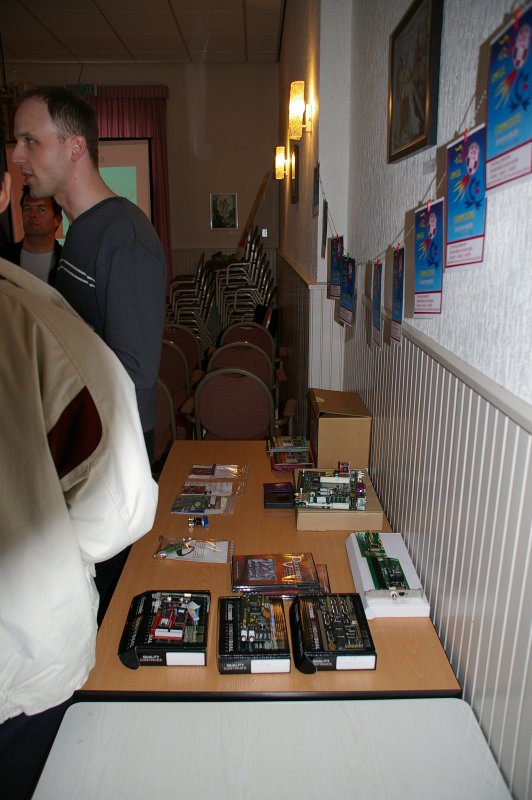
<point x="387" y="573"/>
<point x="331" y="490"/>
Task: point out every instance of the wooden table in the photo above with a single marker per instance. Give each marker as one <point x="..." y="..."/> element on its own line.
<point x="410" y="659"/>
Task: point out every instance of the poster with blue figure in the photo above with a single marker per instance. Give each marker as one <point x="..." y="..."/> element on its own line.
<point x="509" y="101"/>
<point x="428" y="259"/>
<point x="466" y="199"/>
<point x="347" y="290"/>
<point x="336" y="254"/>
<point x="377" y="300"/>
<point x="398" y="276"/>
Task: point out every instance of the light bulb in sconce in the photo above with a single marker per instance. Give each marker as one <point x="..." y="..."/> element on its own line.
<point x="296" y="109"/>
<point x="280" y="163"/>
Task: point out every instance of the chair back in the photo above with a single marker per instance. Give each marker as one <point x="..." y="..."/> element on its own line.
<point x="250" y="332"/>
<point x="173" y="370"/>
<point x="187" y="341"/>
<point x="233" y="404"/>
<point x="243" y="355"/>
<point x="165" y="427"/>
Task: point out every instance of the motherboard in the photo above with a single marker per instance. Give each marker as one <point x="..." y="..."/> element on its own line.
<point x="331" y="490"/>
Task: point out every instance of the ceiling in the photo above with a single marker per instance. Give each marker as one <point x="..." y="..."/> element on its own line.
<point x="140" y="31"/>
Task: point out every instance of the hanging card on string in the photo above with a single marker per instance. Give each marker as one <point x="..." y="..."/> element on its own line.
<point x="347" y="290"/>
<point x="376" y="303"/>
<point x="466" y="199"/>
<point x="428" y="259"/>
<point x="398" y="274"/>
<point x="334" y="262"/>
<point x="324" y="220"/>
<point x="509" y="114"/>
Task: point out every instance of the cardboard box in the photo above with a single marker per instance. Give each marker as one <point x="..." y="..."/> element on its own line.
<point x="339" y="428"/>
<point x="372" y="519"/>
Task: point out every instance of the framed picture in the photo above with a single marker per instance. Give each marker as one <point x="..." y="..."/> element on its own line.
<point x="224" y="215"/>
<point x="294" y="173"/>
<point x="414" y="70"/>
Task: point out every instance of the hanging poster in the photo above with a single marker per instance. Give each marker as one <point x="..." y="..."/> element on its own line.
<point x="347" y="290"/>
<point x="377" y="299"/>
<point x="509" y="114"/>
<point x="428" y="259"/>
<point x="335" y="255"/>
<point x="466" y="199"/>
<point x="397" y="293"/>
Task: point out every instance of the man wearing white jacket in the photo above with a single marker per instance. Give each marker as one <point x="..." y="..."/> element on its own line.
<point x="75" y="489"/>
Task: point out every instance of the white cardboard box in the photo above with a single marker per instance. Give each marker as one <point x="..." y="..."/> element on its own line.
<point x="387" y="606"/>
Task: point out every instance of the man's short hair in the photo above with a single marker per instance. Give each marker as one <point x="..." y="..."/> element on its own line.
<point x="71" y="115"/>
<point x="58" y="211"/>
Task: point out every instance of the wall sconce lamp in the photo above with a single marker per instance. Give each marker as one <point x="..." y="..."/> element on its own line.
<point x="297" y="110"/>
<point x="281" y="163"/>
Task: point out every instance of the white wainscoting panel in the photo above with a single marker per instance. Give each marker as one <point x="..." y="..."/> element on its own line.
<point x="326" y="344"/>
<point x="452" y="468"/>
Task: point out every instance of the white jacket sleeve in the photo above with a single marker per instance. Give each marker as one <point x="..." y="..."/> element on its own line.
<point x="111" y="495"/>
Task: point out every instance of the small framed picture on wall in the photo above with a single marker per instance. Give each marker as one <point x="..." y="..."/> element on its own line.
<point x="224" y="213"/>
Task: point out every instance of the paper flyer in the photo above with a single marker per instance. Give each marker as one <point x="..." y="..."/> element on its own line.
<point x="376" y="304"/>
<point x="466" y="199"/>
<point x="398" y="277"/>
<point x="428" y="259"/>
<point x="336" y="253"/>
<point x="347" y="290"/>
<point x="509" y="112"/>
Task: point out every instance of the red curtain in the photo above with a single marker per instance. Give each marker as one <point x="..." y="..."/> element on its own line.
<point x="140" y="112"/>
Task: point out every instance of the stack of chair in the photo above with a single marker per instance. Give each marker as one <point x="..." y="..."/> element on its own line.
<point x="242" y="286"/>
<point x="240" y="298"/>
<point x="191" y="301"/>
<point x="186" y="286"/>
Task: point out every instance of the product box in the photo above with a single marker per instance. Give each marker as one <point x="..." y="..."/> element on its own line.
<point x="331" y="519"/>
<point x="339" y="428"/>
<point x="384" y="576"/>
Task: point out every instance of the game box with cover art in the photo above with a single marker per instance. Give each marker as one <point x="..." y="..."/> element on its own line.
<point x="286" y="573"/>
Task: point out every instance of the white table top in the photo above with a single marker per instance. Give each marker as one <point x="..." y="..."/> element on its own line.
<point x="421" y="748"/>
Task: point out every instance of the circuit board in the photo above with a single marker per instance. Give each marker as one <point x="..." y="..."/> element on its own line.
<point x="331" y="490"/>
<point x="258" y="623"/>
<point x="330" y="623"/>
<point x="387" y="573"/>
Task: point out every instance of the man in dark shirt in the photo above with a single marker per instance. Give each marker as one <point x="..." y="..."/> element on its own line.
<point x="112" y="269"/>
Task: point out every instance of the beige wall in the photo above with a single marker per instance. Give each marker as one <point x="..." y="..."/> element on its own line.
<point x="222" y="130"/>
<point x="300" y="61"/>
